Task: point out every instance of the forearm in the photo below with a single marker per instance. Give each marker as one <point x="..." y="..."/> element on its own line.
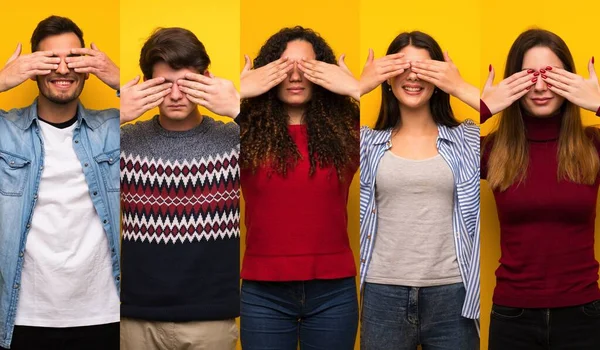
<point x="468" y="94"/>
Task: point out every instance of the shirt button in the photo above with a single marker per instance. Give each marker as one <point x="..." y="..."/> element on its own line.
<point x="12" y="162"/>
<point x="42" y="167"/>
<point x="369" y="237"/>
<point x="110" y="160"/>
<point x="76" y="141"/>
<point x="362" y="260"/>
<point x="373" y="211"/>
<point x="28" y="225"/>
<point x="118" y="278"/>
<point x="85" y="165"/>
<point x="35" y="196"/>
<point x="21" y="254"/>
<point x="95" y="193"/>
<point x="105" y="221"/>
<point x="16" y="286"/>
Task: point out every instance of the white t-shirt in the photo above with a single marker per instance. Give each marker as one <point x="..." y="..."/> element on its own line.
<point x="67" y="275"/>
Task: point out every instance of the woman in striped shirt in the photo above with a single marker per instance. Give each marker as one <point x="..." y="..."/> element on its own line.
<point x="419" y="210"/>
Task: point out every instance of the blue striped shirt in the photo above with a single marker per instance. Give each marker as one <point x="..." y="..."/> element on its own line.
<point x="459" y="146"/>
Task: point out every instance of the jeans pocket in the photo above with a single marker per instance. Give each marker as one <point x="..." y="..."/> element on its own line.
<point x="13" y="174"/>
<point x="506" y="312"/>
<point x="592" y="309"/>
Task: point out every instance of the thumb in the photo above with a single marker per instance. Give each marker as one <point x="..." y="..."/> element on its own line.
<point x="211" y="75"/>
<point x="247" y="64"/>
<point x="447" y="57"/>
<point x="490" y="79"/>
<point x="15" y="54"/>
<point x="341" y="62"/>
<point x="592" y="70"/>
<point x="371" y="56"/>
<point x="131" y="82"/>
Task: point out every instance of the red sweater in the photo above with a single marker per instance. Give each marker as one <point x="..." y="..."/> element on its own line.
<point x="296" y="226"/>
<point x="546" y="230"/>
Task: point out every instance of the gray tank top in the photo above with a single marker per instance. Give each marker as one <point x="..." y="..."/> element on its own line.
<point x="414" y="245"/>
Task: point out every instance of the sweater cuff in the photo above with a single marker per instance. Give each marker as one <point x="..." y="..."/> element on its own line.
<point x="484" y="112"/>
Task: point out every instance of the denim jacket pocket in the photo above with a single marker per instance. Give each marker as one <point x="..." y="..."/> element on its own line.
<point x="109" y="164"/>
<point x="13" y="174"/>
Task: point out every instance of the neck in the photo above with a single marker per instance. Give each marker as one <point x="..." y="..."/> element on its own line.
<point x="188" y="123"/>
<point x="545" y="128"/>
<point x="417" y="121"/>
<point x="296" y="114"/>
<point x="55" y="112"/>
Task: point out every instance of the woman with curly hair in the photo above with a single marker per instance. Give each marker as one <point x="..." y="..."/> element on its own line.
<point x="419" y="203"/>
<point x="299" y="152"/>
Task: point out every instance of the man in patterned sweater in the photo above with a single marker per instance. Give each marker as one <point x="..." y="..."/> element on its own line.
<point x="180" y="201"/>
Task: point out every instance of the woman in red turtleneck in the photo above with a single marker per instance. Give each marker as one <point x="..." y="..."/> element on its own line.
<point x="542" y="166"/>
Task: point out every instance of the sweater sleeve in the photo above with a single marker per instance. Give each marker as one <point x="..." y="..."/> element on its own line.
<point x="484" y="113"/>
<point x="598" y="112"/>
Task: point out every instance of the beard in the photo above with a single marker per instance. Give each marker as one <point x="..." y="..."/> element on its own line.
<point x="61" y="98"/>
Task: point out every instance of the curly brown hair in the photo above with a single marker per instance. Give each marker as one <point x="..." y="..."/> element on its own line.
<point x="332" y="120"/>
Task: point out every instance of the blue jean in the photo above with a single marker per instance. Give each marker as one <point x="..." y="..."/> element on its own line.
<point x="565" y="328"/>
<point x="318" y="314"/>
<point x="401" y="318"/>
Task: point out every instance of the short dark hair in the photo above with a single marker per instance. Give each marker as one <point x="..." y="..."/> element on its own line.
<point x="54" y="25"/>
<point x="177" y="47"/>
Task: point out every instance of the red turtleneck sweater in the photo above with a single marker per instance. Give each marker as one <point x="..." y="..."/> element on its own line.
<point x="546" y="229"/>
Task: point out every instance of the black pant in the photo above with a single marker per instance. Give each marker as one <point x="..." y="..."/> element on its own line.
<point x="101" y="337"/>
<point x="572" y="328"/>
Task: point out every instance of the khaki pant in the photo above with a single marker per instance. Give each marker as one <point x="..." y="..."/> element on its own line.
<point x="198" y="335"/>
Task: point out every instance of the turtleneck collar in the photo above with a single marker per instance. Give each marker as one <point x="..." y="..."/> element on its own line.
<point x="542" y="129"/>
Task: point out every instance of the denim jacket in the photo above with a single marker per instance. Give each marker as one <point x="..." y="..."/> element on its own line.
<point x="96" y="143"/>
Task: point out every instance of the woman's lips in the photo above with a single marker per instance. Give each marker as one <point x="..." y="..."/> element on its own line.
<point x="541" y="101"/>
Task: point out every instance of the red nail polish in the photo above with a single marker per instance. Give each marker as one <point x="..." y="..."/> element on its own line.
<point x="542" y="71"/>
<point x="548" y="68"/>
<point x="490" y="68"/>
<point x="530" y="71"/>
<point x="544" y="76"/>
<point x="534" y="80"/>
<point x="536" y="74"/>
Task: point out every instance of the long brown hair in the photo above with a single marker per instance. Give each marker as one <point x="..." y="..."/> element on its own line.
<point x="509" y="155"/>
<point x="331" y="119"/>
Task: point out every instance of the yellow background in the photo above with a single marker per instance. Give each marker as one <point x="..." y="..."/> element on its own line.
<point x="215" y="23"/>
<point x="337" y="22"/>
<point x="454" y="25"/>
<point x="100" y="25"/>
<point x="568" y="22"/>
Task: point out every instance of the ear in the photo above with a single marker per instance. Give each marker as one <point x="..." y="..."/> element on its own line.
<point x="207" y="74"/>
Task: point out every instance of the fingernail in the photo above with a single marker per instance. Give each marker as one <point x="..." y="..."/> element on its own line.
<point x="536" y="74"/>
<point x="544" y="76"/>
<point x="490" y="68"/>
<point x="534" y="80"/>
<point x="530" y="71"/>
<point x="548" y="68"/>
<point x="528" y="88"/>
<point x="542" y="71"/>
<point x="549" y="85"/>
